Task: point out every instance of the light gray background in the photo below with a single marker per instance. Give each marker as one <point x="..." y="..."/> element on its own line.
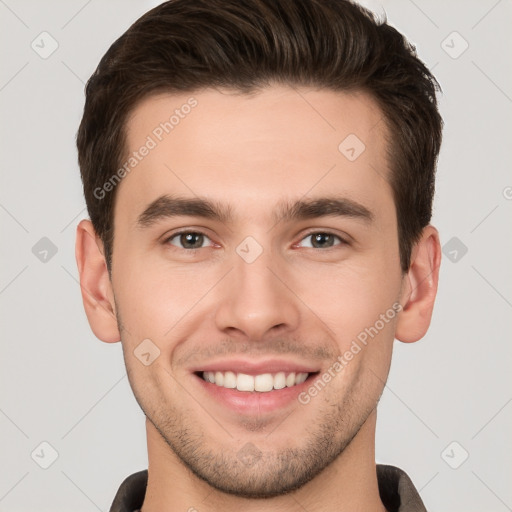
<point x="61" y="385"/>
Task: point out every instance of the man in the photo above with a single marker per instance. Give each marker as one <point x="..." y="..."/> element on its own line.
<point x="259" y="178"/>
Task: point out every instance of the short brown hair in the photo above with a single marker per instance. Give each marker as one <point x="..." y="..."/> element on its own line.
<point x="245" y="45"/>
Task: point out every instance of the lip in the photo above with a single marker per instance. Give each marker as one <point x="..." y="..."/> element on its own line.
<point x="251" y="367"/>
<point x="254" y="402"/>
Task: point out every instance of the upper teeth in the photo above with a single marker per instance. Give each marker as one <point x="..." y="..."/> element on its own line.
<point x="263" y="382"/>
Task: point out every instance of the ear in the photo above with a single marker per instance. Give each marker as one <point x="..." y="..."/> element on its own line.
<point x="420" y="287"/>
<point x="95" y="284"/>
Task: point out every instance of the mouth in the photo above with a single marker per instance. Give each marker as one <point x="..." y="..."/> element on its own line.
<point x="261" y="383"/>
<point x="254" y="395"/>
<point x="254" y="387"/>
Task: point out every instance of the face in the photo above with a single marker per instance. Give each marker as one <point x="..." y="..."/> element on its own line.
<point x="287" y="257"/>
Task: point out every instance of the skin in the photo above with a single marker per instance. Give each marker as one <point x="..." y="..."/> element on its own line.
<point x="296" y="301"/>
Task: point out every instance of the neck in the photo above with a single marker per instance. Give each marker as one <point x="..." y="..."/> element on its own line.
<point x="348" y="483"/>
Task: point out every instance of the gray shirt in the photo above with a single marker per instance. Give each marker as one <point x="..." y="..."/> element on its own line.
<point x="397" y="492"/>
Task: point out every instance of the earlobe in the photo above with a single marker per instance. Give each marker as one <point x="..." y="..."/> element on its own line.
<point x="95" y="284"/>
<point x="420" y="288"/>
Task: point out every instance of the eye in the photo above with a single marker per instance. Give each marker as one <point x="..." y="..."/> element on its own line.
<point x="323" y="240"/>
<point x="191" y="240"/>
<point x="187" y="240"/>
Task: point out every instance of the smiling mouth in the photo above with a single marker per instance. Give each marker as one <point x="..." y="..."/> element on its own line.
<point x="262" y="383"/>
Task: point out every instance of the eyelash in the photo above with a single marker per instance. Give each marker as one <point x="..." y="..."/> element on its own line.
<point x="185" y="232"/>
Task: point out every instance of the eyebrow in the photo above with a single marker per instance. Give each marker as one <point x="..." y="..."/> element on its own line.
<point x="166" y="206"/>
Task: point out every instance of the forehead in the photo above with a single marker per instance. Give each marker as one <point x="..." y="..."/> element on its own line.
<point x="253" y="150"/>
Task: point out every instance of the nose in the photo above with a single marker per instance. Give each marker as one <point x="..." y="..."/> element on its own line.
<point x="257" y="299"/>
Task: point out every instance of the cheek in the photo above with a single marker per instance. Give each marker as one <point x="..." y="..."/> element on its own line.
<point x="350" y="298"/>
<point x="160" y="300"/>
<point x="356" y="303"/>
